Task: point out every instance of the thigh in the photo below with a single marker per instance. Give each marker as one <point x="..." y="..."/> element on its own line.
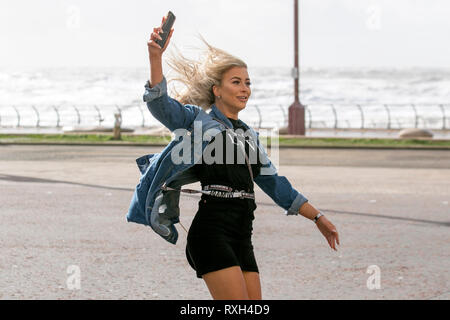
<point x="253" y="285"/>
<point x="226" y="284"/>
<point x="208" y="254"/>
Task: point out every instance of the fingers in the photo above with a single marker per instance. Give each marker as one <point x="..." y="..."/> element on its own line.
<point x="332" y="239"/>
<point x="152" y="43"/>
<point x="158" y="31"/>
<point x="329" y="242"/>
<point x="330" y="233"/>
<point x="154" y="36"/>
<point x="333" y="235"/>
<point x="168" y="39"/>
<point x="335" y="238"/>
<point x="333" y="244"/>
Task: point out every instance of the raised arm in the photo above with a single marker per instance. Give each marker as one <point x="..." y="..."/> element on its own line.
<point x="155" y="53"/>
<point x="171" y="113"/>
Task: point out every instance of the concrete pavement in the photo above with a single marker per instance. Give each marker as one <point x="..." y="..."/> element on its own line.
<point x="62" y="211"/>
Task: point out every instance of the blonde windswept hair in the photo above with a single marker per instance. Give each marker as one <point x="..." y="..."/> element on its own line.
<point x="198" y="77"/>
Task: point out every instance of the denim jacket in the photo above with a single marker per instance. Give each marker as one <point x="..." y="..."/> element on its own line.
<point x="159" y="209"/>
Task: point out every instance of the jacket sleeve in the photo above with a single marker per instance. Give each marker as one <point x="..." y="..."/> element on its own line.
<point x="278" y="187"/>
<point x="171" y="113"/>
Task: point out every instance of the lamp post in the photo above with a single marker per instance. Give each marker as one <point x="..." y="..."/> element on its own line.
<point x="296" y="123"/>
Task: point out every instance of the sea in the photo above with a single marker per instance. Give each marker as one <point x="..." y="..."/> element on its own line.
<point x="334" y="98"/>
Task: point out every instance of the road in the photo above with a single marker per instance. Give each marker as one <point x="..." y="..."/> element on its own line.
<point x="63" y="219"/>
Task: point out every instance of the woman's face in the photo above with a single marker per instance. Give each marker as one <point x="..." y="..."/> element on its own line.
<point x="234" y="90"/>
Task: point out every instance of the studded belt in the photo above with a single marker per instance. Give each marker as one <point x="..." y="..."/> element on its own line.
<point x="216" y="190"/>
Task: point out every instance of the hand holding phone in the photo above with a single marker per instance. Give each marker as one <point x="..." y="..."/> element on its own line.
<point x="160" y="36"/>
<point x="166" y="28"/>
<point x="159" y="40"/>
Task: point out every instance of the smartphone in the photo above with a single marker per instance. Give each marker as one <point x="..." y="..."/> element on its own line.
<point x="167" y="26"/>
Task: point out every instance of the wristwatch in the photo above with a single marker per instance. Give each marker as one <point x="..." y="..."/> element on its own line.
<point x="318" y="216"/>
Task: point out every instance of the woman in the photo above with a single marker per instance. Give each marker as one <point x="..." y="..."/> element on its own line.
<point x="219" y="244"/>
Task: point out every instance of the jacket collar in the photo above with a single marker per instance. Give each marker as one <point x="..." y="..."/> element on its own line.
<point x="215" y="112"/>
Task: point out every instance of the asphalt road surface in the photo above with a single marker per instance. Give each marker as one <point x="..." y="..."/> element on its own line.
<point x="63" y="232"/>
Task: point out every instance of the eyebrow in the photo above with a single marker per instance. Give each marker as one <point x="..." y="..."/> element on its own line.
<point x="239" y="78"/>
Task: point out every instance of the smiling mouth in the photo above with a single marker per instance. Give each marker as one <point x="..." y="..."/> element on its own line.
<point x="243" y="99"/>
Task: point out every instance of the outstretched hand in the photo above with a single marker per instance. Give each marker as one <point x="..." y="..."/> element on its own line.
<point x="154" y="49"/>
<point x="329" y="231"/>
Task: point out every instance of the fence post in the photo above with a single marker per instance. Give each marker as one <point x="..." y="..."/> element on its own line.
<point x="335" y="116"/>
<point x="117" y="124"/>
<point x="362" y="116"/>
<point x="310" y="116"/>
<point x="99" y="115"/>
<point x="38" y="118"/>
<point x="284" y="115"/>
<point x="142" y="113"/>
<point x="120" y="110"/>
<point x="444" y="119"/>
<point x="415" y="113"/>
<point x="120" y="115"/>
<point x="78" y="114"/>
<point x="259" y="114"/>
<point x="57" y="116"/>
<point x="18" y="116"/>
<point x="389" y="116"/>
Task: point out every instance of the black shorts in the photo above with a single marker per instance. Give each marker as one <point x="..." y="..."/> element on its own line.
<point x="220" y="235"/>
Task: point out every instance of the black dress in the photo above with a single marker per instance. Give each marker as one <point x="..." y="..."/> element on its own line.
<point x="220" y="233"/>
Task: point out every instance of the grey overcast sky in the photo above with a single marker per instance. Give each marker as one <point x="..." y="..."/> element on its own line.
<point x="372" y="33"/>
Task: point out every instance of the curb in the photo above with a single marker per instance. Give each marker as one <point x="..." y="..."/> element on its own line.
<point x="114" y="144"/>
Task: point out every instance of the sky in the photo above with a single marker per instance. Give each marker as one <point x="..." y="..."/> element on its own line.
<point x="333" y="33"/>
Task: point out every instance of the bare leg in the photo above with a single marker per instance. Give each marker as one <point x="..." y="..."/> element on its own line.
<point x="253" y="285"/>
<point x="226" y="284"/>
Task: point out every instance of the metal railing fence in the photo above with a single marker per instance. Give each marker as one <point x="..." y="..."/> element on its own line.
<point x="331" y="116"/>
